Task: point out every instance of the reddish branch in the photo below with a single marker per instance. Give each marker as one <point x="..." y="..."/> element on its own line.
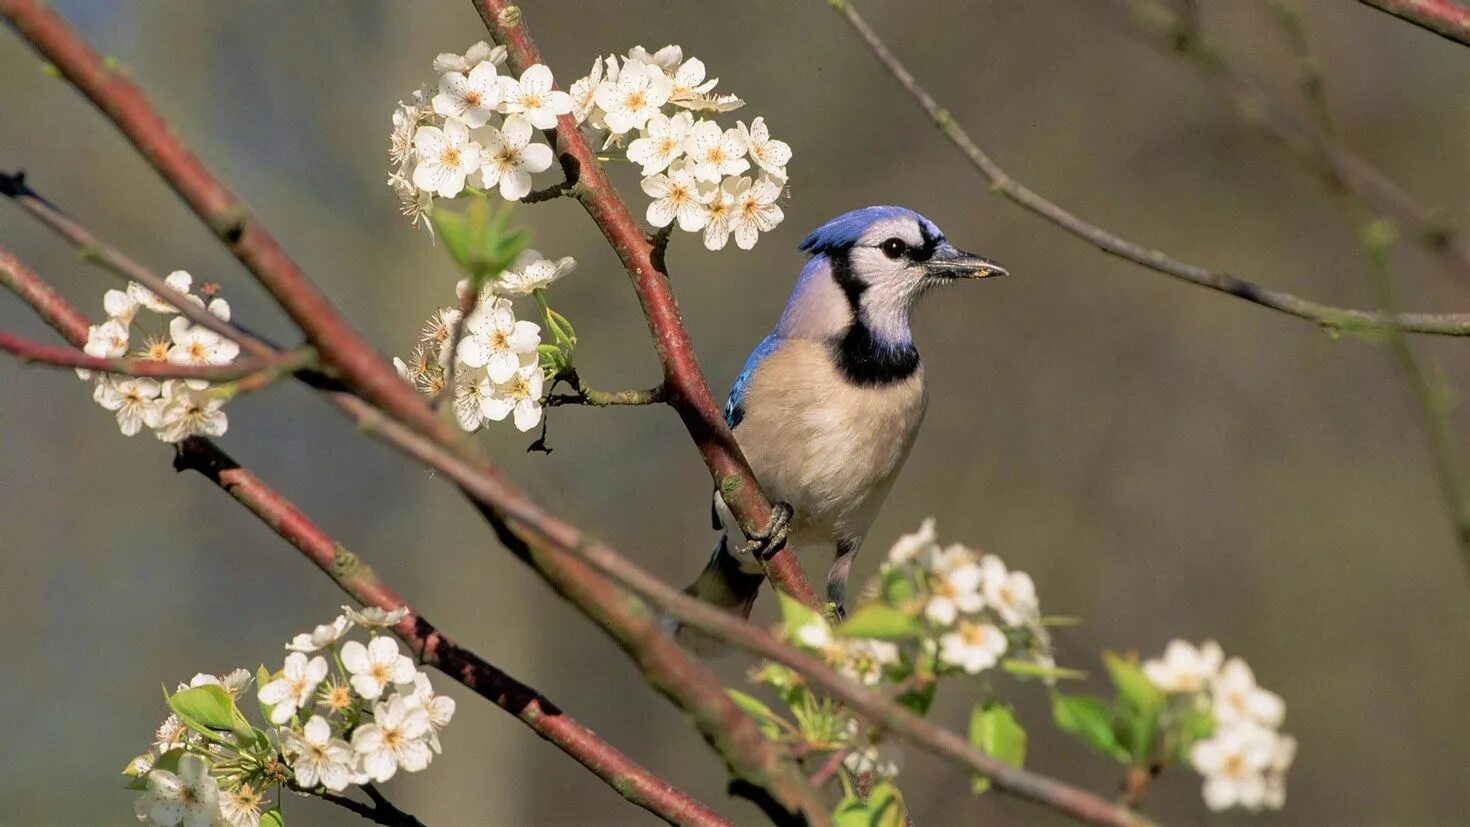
<point x="684" y="382"/>
<point x="56" y="356"/>
<point x="1443" y="17"/>
<point x="357" y="578"/>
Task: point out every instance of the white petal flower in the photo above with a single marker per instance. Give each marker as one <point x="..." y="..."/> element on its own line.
<point x="584" y="93"/>
<point x="533" y="97"/>
<point x="1234" y="762"/>
<point x="445" y="158"/>
<point x="235" y="682"/>
<point x="919" y="545"/>
<point x="1010" y="593"/>
<point x="769" y="154"/>
<point x="120" y="306"/>
<point x="375" y="666"/>
<point x="532" y="272"/>
<point x="372" y="616"/>
<point x="1283" y="752"/>
<point x="864" y="660"/>
<point x="240" y="807"/>
<point x="1238" y="698"/>
<point x="317" y="757"/>
<point x="637" y="94"/>
<point x="662" y="142"/>
<point x="108" y="340"/>
<point x="134" y="398"/>
<point x="495" y="340"/>
<point x="469" y="98"/>
<point x="189" y="797"/>
<point x="481" y="52"/>
<point x="689" y="83"/>
<point x="814" y="634"/>
<point x="199" y="346"/>
<point x="972" y="647"/>
<point x="714" y="154"/>
<point x="187" y="412"/>
<point x="678" y="195"/>
<point x="292" y="690"/>
<point x="397" y="737"/>
<point x="413" y="202"/>
<point x="666" y="59"/>
<point x="756" y="210"/>
<point x="1185" y="668"/>
<point x="954" y="587"/>
<point x="508" y="158"/>
<point x="469" y="399"/>
<point x="440" y="708"/>
<point x="179" y="280"/>
<point x="323" y="635"/>
<point x="719" y="210"/>
<point x="882" y="759"/>
<point x="171" y="734"/>
<point x="406" y="120"/>
<point x="519" y="395"/>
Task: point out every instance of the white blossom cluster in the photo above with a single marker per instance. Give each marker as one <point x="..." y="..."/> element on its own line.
<point x="173" y="409"/>
<point x="498" y="370"/>
<point x="1245" y="759"/>
<point x="477" y="129"/>
<point x="341" y="712"/>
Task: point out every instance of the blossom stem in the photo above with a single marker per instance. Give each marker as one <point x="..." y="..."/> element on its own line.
<point x="246" y="371"/>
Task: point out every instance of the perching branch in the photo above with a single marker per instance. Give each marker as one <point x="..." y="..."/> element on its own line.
<point x="1443" y="17"/>
<point x="684" y="383"/>
<point x="583" y="395"/>
<point x="381" y="811"/>
<point x="40" y="353"/>
<point x="1338" y="318"/>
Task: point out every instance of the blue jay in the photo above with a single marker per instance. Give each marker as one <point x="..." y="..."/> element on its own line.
<point x="829" y="403"/>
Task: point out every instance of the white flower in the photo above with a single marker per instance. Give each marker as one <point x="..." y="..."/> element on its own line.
<point x="445" y="157"/>
<point x="220" y="309"/>
<point x="495" y="341"/>
<point x="292" y="690"/>
<point x="509" y="158"/>
<point x="120" y="306"/>
<point x="187" y="411"/>
<point x="396" y="738"/>
<point x="918" y="545"/>
<point x="584" y="92"/>
<point x="317" y="757"/>
<point x="882" y="758"/>
<point x="519" y="394"/>
<point x="406" y="120"/>
<point x="1183" y="668"/>
<point x="240" y="807"/>
<point x="532" y="272"/>
<point x="1238" y="698"/>
<point x="469" y="98"/>
<point x="1234" y="762"/>
<point x="479" y="53"/>
<point x="677" y="195"/>
<point x="134" y="398"/>
<point x="662" y="142"/>
<point x="375" y="666"/>
<point x="171" y="734"/>
<point x="1283" y="753"/>
<point x="665" y="59"/>
<point x="413" y="202"/>
<point x="234" y="683"/>
<point x="973" y="647"/>
<point x="719" y="207"/>
<point x="637" y="94"/>
<point x="179" y="280"/>
<point x="769" y="154"/>
<point x="814" y="634"/>
<point x="469" y="399"/>
<point x="1010" y="593"/>
<point x="108" y="340"/>
<point x="714" y="154"/>
<point x="440" y="708"/>
<point x="189" y="797"/>
<point x="323" y="635"/>
<point x="755" y="210"/>
<point x="199" y="346"/>
<point x="954" y="587"/>
<point x="863" y="660"/>
<point x="690" y="87"/>
<point x="533" y="97"/>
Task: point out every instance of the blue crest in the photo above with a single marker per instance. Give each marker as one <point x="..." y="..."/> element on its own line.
<point x="845" y="230"/>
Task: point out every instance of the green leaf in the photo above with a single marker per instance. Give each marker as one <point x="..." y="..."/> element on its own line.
<point x="884" y="808"/>
<point x="272" y="818"/>
<point x="1031" y="669"/>
<point x="768" y="721"/>
<point x="480" y="240"/>
<point x="1142" y="704"/>
<point x="880" y="622"/>
<point x="795" y="614"/>
<point x="1195" y="723"/>
<point x="1061" y="620"/>
<point x="208" y="709"/>
<point x="995" y="731"/>
<point x="1090" y="719"/>
<point x="898" y="587"/>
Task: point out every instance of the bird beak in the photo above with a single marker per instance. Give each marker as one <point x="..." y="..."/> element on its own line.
<point x="949" y="262"/>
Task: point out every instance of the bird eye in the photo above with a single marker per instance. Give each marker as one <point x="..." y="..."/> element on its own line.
<point x="893" y="247"/>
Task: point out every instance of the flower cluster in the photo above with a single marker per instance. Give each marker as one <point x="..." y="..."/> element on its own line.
<point x="173" y="409"/>
<point x="341" y="712"/>
<point x="693" y="168"/>
<point x="1246" y="757"/>
<point x="476" y="130"/>
<point x="498" y="371"/>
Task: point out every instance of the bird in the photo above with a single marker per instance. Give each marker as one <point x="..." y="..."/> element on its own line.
<point x="829" y="403"/>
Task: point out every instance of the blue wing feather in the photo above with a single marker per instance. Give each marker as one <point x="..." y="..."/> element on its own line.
<point x="735" y="405"/>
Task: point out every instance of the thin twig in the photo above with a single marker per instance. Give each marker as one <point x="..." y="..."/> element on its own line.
<point x="583" y="395"/>
<point x="66" y="357"/>
<point x="1443" y="17"/>
<point x="1448" y="324"/>
<point x="381" y="811"/>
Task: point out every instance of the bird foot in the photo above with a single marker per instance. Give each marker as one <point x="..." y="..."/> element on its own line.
<point x="767" y="543"/>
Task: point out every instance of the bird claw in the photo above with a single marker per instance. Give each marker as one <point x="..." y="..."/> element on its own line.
<point x="764" y="545"/>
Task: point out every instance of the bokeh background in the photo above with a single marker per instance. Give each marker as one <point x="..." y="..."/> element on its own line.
<point x="1163" y="460"/>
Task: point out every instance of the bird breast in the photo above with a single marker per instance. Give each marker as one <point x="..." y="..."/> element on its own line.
<point x="828" y="447"/>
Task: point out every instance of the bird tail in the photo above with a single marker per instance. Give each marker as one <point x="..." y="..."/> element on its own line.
<point x="724" y="584"/>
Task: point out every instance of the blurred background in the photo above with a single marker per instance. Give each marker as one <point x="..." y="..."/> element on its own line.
<point x="1165" y="461"/>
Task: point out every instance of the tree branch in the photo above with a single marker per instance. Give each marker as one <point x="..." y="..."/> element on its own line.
<point x="1447" y="324"/>
<point x="684" y="382"/>
<point x="1443" y="17"/>
<point x="381" y="811"/>
<point x="28" y="351"/>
